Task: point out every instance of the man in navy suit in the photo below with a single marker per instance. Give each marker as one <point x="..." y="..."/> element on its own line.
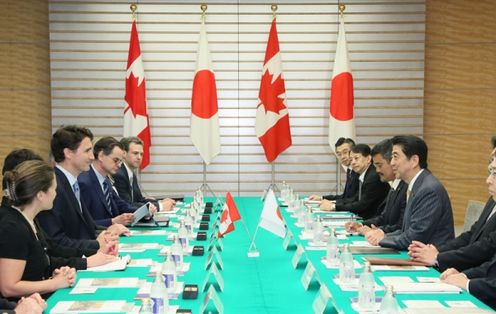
<point x="393" y="207"/>
<point x="342" y="148"/>
<point x="428" y="215"/>
<point x="104" y="204"/>
<point x="69" y="223"/>
<point x="471" y="248"/>
<point x="125" y="179"/>
<point x="371" y="191"/>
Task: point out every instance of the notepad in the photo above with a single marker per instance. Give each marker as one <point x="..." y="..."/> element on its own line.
<point x="112" y="306"/>
<point x="119" y="264"/>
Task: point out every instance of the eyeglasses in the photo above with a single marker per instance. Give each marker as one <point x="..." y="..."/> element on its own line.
<point x="492" y="173"/>
<point x="117" y="161"/>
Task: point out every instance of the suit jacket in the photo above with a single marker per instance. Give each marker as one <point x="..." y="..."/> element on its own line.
<point x="483" y="282"/>
<point x="472" y="247"/>
<point x="373" y="194"/>
<point x="391" y="217"/>
<point x="67" y="223"/>
<point x="350" y="188"/>
<point x="92" y="194"/>
<point x="428" y="216"/>
<point x="129" y="192"/>
<point x="6" y="306"/>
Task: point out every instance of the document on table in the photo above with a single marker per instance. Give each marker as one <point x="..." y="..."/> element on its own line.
<point x="400" y="268"/>
<point x="138" y="247"/>
<point x="113" y="306"/>
<point x="148" y="232"/>
<point x="119" y="264"/>
<point x="424" y="287"/>
<point x="131" y="282"/>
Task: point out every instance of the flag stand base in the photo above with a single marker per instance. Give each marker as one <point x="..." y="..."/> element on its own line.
<point x="253" y="251"/>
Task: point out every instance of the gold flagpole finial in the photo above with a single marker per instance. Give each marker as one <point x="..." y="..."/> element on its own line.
<point x="133" y="8"/>
<point x="274" y="9"/>
<point x="342" y="7"/>
<point x="204" y="8"/>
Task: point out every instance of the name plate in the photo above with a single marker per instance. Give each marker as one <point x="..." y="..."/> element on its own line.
<point x="297" y="256"/>
<point x="212" y="300"/>
<point x="308" y="275"/>
<point x="214" y="258"/>
<point x="287" y="240"/>
<point x="322" y="299"/>
<point x="215" y="242"/>
<point x="213" y="278"/>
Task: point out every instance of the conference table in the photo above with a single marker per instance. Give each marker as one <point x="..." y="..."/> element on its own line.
<point x="269" y="283"/>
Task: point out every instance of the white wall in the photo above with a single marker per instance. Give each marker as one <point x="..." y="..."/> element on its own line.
<point x="89" y="45"/>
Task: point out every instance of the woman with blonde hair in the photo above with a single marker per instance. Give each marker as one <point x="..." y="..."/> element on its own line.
<point x="24" y="265"/>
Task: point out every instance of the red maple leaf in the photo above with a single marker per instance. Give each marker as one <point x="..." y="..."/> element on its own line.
<point x="270" y="92"/>
<point x="135" y="95"/>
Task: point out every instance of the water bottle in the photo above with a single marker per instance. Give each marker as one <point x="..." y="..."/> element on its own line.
<point x="366" y="288"/>
<point x="146" y="306"/>
<point x="332" y="249"/>
<point x="346" y="266"/>
<point x="389" y="305"/>
<point x="159" y="296"/>
<point x="188" y="222"/>
<point x="177" y="252"/>
<point x="308" y="220"/>
<point x="182" y="234"/>
<point x="169" y="273"/>
<point x="318" y="230"/>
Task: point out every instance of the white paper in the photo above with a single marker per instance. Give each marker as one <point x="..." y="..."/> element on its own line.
<point x="148" y="232"/>
<point x="140" y="213"/>
<point x="167" y="249"/>
<point x="362" y="244"/>
<point x="461" y="304"/>
<point x="428" y="279"/>
<point x="119" y="264"/>
<point x="131" y="282"/>
<point x="83" y="290"/>
<point x="113" y="306"/>
<point x="423" y="304"/>
<point x="425" y="287"/>
<point x="141" y="262"/>
<point x="353" y="285"/>
<point x="137" y="247"/>
<point x="158" y="268"/>
<point x="390" y="280"/>
<point x="398" y="268"/>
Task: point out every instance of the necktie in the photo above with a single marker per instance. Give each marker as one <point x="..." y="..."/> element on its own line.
<point x="77" y="192"/>
<point x="408" y="194"/>
<point x="492" y="213"/>
<point x="106" y="193"/>
<point x="131" y="185"/>
<point x="347" y="184"/>
<point x="360" y="183"/>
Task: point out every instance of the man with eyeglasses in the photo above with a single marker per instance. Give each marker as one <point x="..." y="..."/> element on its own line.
<point x="104" y="204"/>
<point x="343" y="148"/>
<point x="471" y="248"/>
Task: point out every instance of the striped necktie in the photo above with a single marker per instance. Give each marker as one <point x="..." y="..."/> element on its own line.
<point x="106" y="193"/>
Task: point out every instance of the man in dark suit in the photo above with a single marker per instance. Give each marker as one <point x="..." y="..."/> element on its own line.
<point x="125" y="179"/>
<point x="428" y="215"/>
<point x="393" y="207"/>
<point x="342" y="148"/>
<point x="472" y="247"/>
<point x="371" y="191"/>
<point x="478" y="281"/>
<point x="104" y="205"/>
<point x="69" y="223"/>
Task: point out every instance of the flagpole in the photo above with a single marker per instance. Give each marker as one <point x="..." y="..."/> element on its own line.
<point x="253" y="250"/>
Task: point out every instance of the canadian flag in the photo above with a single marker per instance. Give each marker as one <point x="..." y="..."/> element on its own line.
<point x="272" y="118"/>
<point x="230" y="214"/>
<point x="341" y="117"/>
<point x="204" y="111"/>
<point x="271" y="219"/>
<point x="136" y="121"/>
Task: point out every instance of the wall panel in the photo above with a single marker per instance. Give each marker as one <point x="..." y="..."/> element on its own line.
<point x="89" y="43"/>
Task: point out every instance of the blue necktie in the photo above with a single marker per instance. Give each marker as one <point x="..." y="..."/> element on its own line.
<point x="106" y="193"/>
<point x="77" y="192"/>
